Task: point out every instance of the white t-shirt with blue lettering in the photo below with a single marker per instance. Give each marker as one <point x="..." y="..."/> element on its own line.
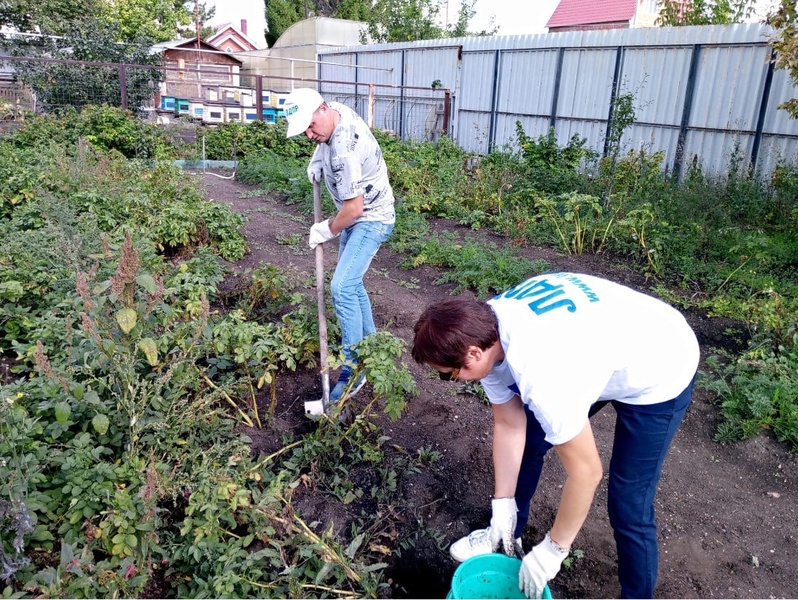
<point x="570" y="340"/>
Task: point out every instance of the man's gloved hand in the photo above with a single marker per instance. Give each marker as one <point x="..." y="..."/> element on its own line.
<point x="502" y="524"/>
<point x="320" y="233"/>
<point x="539" y="566"/>
<point x="314" y="172"/>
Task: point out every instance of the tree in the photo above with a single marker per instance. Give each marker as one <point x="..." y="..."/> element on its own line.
<point x="64" y="84"/>
<point x="464" y="16"/>
<point x="354" y="10"/>
<point x="155" y="19"/>
<point x="53" y="16"/>
<point x="785" y="42"/>
<point x="405" y="20"/>
<point x="199" y="12"/>
<point x="386" y="20"/>
<point x="704" y="12"/>
<point x="280" y="15"/>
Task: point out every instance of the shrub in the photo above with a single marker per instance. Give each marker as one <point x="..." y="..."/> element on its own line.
<point x="232" y="141"/>
<point x="106" y="128"/>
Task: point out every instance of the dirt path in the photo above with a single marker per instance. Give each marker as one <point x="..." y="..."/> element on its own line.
<point x="727" y="514"/>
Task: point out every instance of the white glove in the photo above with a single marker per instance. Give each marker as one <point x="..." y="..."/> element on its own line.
<point x="539" y="566"/>
<point x="502" y="524"/>
<point x="314" y="172"/>
<point x="320" y="233"/>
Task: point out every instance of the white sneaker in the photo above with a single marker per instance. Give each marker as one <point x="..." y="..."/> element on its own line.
<point x="475" y="543"/>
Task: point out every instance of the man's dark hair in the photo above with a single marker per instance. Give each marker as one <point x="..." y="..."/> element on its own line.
<point x="445" y="330"/>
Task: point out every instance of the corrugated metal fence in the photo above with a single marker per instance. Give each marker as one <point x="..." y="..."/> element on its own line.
<point x="407" y="101"/>
<point x="701" y="94"/>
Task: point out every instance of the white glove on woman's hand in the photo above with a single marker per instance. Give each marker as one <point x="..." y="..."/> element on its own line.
<point x="319" y="234"/>
<point x="539" y="566"/>
<point x="502" y="524"/>
<point x="314" y="172"/>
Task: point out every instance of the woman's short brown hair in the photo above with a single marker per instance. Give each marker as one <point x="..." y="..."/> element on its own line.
<point x="444" y="331"/>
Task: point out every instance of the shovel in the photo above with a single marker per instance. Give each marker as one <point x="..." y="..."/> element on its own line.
<point x="315" y="408"/>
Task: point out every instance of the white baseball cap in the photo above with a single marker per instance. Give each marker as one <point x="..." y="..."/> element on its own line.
<point x="299" y="107"/>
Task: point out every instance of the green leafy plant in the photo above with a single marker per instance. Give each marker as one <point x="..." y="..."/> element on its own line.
<point x="231" y="141"/>
<point x="573" y="558"/>
<point x="552" y="168"/>
<point x="577" y="219"/>
<point x="379" y="354"/>
<point x="481" y="267"/>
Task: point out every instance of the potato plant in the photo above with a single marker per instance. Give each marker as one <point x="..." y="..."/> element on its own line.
<point x="122" y="457"/>
<point x="122" y="454"/>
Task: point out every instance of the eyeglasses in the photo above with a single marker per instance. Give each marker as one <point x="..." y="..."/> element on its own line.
<point x="449" y="375"/>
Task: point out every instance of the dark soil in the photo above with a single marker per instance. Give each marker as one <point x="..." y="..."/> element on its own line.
<point x="727" y="513"/>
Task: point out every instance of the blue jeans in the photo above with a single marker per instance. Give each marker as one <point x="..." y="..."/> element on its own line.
<point x="643" y="435"/>
<point x="359" y="243"/>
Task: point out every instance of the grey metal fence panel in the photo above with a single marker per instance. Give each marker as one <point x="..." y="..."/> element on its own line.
<point x="473" y="132"/>
<point x="654" y="76"/>
<point x="471" y="122"/>
<point x="714" y="150"/>
<point x="729" y="87"/>
<point x="586" y="84"/>
<point x="651" y="139"/>
<point x="699" y="92"/>
<point x="476" y="85"/>
<point x="387" y="67"/>
<point x="338" y="72"/>
<point x="423" y="66"/>
<point x="776" y="151"/>
<point x="525" y="83"/>
<point x="423" y="108"/>
<point x="507" y="131"/>
<point x="778" y="122"/>
<point x="411" y="113"/>
<point x="780" y="132"/>
<point x="592" y="131"/>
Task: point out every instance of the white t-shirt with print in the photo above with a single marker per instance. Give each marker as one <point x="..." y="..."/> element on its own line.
<point x="353" y="165"/>
<point x="571" y="340"/>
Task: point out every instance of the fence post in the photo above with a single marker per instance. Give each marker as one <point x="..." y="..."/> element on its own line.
<point x="763" y="107"/>
<point x="371" y="106"/>
<point x="123" y="86"/>
<point x="688" y="107"/>
<point x="402" y="98"/>
<point x="555" y="97"/>
<point x="613" y="95"/>
<point x="494" y="101"/>
<point x="259" y="96"/>
<point x="447" y="111"/>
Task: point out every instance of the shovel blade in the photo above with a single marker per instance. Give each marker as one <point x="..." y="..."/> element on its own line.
<point x="314" y="408"/>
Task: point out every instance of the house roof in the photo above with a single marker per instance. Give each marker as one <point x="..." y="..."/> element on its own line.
<point x="189" y="44"/>
<point x="585" y="12"/>
<point x="228" y="30"/>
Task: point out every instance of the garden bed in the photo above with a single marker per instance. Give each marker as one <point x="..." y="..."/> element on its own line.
<point x="726" y="513"/>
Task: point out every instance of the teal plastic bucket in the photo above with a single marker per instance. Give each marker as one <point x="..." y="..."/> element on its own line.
<point x="488" y="576"/>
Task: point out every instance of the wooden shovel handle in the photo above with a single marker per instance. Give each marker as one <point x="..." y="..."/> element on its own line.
<point x="325" y="373"/>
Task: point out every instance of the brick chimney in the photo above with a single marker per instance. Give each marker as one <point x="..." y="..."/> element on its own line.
<point x="244" y="26"/>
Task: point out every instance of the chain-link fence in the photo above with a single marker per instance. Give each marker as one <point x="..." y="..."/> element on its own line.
<point x="208" y="94"/>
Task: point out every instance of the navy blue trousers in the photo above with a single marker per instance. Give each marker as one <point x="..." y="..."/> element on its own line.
<point x="643" y="435"/>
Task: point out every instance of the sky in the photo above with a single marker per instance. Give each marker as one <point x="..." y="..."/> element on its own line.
<point x="514" y="17"/>
<point x="232" y="11"/>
